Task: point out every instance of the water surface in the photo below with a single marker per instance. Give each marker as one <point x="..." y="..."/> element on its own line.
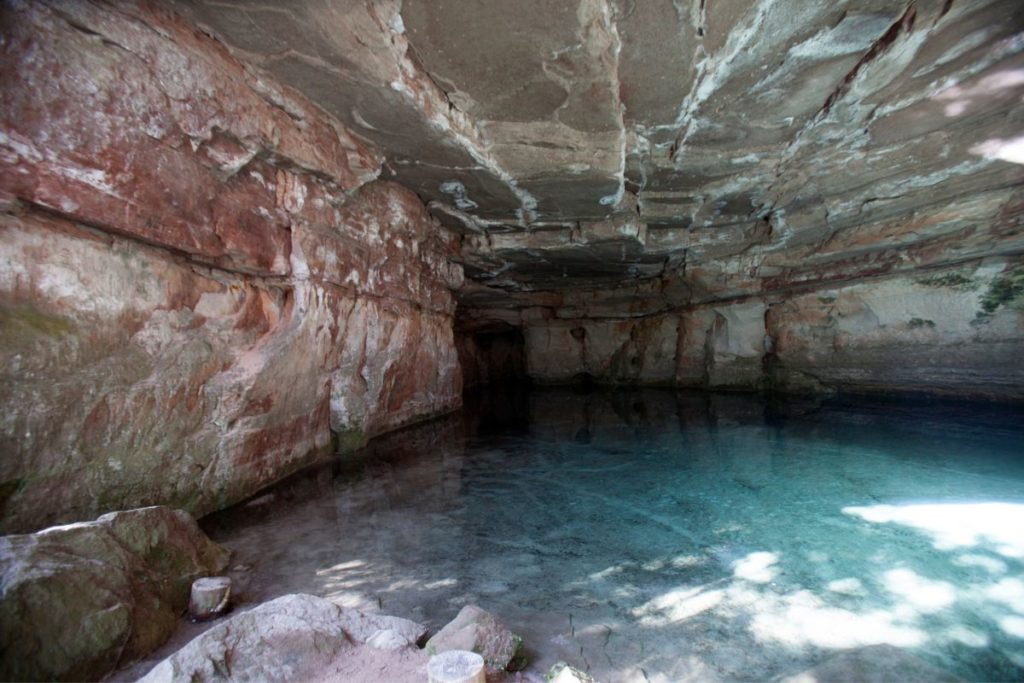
<point x="651" y="535"/>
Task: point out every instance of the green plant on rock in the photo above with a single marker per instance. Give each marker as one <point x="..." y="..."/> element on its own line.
<point x="921" y="322"/>
<point x="951" y="280"/>
<point x="1006" y="290"/>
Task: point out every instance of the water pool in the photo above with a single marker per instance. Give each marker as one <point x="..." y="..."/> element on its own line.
<point x="652" y="535"/>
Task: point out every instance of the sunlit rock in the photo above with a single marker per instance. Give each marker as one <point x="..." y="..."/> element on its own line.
<point x="456" y="666"/>
<point x="298" y="637"/>
<point x="477" y="630"/>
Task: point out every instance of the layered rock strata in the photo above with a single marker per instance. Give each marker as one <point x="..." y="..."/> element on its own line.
<point x="954" y="331"/>
<point x="202" y="278"/>
<point x="207" y="274"/>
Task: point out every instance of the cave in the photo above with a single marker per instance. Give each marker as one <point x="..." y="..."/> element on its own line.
<point x="612" y="340"/>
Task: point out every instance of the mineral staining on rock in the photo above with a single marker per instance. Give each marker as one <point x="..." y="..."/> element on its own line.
<point x="203" y="278"/>
<point x="662" y="176"/>
<point x="79" y="600"/>
<point x="235" y="235"/>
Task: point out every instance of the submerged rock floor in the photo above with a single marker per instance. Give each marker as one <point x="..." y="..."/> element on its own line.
<point x="665" y="537"/>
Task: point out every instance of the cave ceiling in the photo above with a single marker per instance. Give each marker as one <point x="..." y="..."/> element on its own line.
<point x="668" y="151"/>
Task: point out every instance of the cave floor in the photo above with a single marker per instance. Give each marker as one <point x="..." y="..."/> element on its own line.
<point x="651" y="535"/>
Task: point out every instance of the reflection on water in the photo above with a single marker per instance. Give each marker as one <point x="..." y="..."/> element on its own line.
<point x="650" y="535"/>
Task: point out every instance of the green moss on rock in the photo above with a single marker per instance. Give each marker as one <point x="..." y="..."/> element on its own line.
<point x="956" y="281"/>
<point x="1005" y="290"/>
<point x="24" y="321"/>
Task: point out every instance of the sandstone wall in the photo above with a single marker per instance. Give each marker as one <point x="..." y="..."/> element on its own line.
<point x="491" y="358"/>
<point x="956" y="330"/>
<point x="201" y="276"/>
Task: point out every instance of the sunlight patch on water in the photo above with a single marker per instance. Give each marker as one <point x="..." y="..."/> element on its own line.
<point x="803" y="618"/>
<point x="956" y="525"/>
<point x="757" y="567"/>
<point x="1014" y="626"/>
<point x="683" y="537"/>
<point x="678" y="605"/>
<point x="925" y="595"/>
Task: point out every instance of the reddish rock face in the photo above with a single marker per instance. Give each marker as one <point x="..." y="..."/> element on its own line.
<point x="202" y="279"/>
<point x="132" y="121"/>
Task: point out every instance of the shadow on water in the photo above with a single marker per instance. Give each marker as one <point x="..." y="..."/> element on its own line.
<point x="656" y="535"/>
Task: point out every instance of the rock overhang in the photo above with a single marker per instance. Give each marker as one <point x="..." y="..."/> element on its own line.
<point x="735" y="147"/>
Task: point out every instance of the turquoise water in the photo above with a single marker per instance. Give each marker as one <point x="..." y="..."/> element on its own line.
<point x="650" y="535"/>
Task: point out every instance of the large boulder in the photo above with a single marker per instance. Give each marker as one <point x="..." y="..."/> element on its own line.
<point x="299" y="638"/>
<point x="479" y="631"/>
<point x="77" y="600"/>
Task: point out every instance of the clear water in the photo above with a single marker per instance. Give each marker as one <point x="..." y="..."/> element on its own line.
<point x="658" y="536"/>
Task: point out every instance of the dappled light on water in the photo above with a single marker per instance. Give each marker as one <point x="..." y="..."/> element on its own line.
<point x="994" y="526"/>
<point x="656" y="537"/>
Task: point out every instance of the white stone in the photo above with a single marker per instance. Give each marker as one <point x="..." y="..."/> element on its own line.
<point x="456" y="666"/>
<point x="210" y="597"/>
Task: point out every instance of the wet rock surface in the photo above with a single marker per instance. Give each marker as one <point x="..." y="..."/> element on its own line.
<point x="78" y="600"/>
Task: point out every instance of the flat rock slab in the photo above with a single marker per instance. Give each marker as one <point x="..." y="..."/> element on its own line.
<point x="299" y="637"/>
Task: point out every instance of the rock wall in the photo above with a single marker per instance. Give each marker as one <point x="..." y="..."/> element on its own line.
<point x="201" y="277"/>
<point x="956" y="330"/>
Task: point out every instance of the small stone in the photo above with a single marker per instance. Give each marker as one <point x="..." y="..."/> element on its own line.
<point x="563" y="673"/>
<point x="388" y="640"/>
<point x="209" y="598"/>
<point x="456" y="666"/>
<point x="479" y="631"/>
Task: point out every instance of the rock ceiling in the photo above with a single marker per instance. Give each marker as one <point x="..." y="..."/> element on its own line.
<point x="662" y="152"/>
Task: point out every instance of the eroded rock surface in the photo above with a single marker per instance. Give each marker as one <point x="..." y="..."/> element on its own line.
<point x="233" y="230"/>
<point x="951" y="331"/>
<point x="299" y="637"/>
<point x="783" y="138"/>
<point x="78" y="600"/>
<point x="202" y="281"/>
<point x="688" y="164"/>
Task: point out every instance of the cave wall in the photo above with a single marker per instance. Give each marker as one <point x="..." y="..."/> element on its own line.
<point x="202" y="277"/>
<point x="491" y="357"/>
<point x="957" y="330"/>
